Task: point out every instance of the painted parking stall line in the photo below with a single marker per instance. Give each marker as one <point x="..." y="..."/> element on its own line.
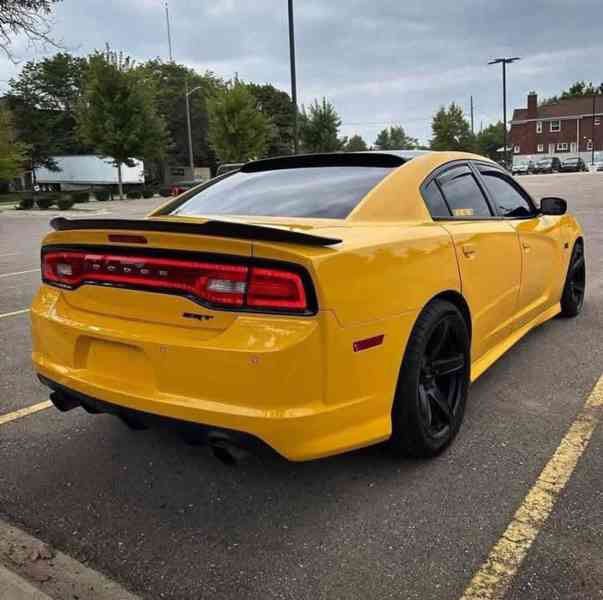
<point x="24" y="412"/>
<point x="19" y="273"/>
<point x="493" y="578"/>
<point x="14" y="313"/>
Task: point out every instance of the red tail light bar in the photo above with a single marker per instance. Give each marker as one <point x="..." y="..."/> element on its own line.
<point x="220" y="285"/>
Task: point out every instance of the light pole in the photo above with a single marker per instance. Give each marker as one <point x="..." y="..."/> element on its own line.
<point x="188" y="123"/>
<point x="592" y="159"/>
<point x="504" y="62"/>
<point x="169" y="33"/>
<point x="293" y="77"/>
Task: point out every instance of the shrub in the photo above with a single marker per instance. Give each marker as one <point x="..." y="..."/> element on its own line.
<point x="46" y="201"/>
<point x="80" y="196"/>
<point x="133" y="194"/>
<point x="166" y="192"/>
<point x="103" y="195"/>
<point x="65" y="202"/>
<point x="26" y="203"/>
<point x="148" y="193"/>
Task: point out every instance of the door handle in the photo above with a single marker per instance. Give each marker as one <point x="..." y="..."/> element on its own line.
<point x="469" y="250"/>
<point x="525" y="245"/>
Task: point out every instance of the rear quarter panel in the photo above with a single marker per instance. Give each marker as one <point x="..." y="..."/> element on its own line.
<point x="379" y="271"/>
<point x="375" y="283"/>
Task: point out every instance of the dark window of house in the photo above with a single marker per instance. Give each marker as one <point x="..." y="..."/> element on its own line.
<point x="327" y="192"/>
<point x="434" y="200"/>
<point x="463" y="194"/>
<point x="507" y="198"/>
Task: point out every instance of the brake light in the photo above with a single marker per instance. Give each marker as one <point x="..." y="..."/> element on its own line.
<point x="270" y="288"/>
<point x="217" y="284"/>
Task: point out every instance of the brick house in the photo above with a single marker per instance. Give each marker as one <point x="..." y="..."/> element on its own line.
<point x="564" y="128"/>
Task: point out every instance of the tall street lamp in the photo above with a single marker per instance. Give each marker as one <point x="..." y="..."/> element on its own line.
<point x="188" y="122"/>
<point x="169" y="32"/>
<point x="592" y="158"/>
<point x="504" y="61"/>
<point x="293" y="78"/>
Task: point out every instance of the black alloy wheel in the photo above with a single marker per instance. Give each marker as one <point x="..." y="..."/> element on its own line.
<point x="432" y="387"/>
<point x="572" y="299"/>
<point x="441" y="379"/>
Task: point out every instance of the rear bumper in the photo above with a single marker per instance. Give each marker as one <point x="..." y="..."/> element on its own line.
<point x="294" y="384"/>
<point x="191" y="431"/>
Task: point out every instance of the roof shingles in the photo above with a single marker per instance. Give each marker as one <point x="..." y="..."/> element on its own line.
<point x="565" y="107"/>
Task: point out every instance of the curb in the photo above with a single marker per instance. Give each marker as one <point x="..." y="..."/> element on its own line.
<point x="13" y="587"/>
<point x="25" y="559"/>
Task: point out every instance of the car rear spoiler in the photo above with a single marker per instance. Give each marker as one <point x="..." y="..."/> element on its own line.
<point x="229" y="229"/>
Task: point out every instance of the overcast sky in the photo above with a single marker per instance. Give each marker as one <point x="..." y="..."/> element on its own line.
<point x="380" y="62"/>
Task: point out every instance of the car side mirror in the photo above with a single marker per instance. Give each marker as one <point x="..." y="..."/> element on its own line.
<point x="553" y="206"/>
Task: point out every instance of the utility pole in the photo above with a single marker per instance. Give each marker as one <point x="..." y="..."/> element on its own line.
<point x="472" y="128"/>
<point x="293" y="77"/>
<point x="504" y="62"/>
<point x="169" y="33"/>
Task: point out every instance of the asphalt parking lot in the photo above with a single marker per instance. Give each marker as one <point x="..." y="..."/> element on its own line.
<point x="167" y="520"/>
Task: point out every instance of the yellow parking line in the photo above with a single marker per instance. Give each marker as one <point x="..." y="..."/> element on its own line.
<point x="15" y="313"/>
<point x="30" y="410"/>
<point x="494" y="577"/>
<point x="18" y="273"/>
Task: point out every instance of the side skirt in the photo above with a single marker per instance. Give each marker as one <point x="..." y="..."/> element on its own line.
<point x="483" y="363"/>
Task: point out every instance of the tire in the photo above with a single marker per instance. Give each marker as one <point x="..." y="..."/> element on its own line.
<point x="572" y="298"/>
<point x="425" y="420"/>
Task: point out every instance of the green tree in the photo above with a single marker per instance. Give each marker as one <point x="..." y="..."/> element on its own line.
<point x="13" y="155"/>
<point x="238" y="131"/>
<point x="276" y="105"/>
<point x="319" y="128"/>
<point x="356" y="144"/>
<point x="43" y="99"/>
<point x="117" y="114"/>
<point x="28" y="18"/>
<point x="451" y="131"/>
<point x="170" y="80"/>
<point x="395" y="138"/>
<point x="490" y="139"/>
<point x="576" y="90"/>
<point x="582" y="88"/>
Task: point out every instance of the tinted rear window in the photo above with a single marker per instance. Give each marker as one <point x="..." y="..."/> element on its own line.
<point x="320" y="192"/>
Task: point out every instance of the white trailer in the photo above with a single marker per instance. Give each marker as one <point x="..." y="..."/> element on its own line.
<point x="88" y="170"/>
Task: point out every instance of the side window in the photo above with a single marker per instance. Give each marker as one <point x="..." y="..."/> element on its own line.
<point x="507" y="197"/>
<point x="463" y="194"/>
<point x="434" y="200"/>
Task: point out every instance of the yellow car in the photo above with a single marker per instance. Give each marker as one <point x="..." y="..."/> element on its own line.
<point x="311" y="304"/>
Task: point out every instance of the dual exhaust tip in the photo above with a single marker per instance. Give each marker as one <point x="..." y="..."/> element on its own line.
<point x="227" y="451"/>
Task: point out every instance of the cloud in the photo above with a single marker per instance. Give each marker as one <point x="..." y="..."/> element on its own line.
<point x="380" y="62"/>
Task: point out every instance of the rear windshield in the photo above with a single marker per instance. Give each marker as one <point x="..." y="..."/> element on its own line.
<point x="319" y="192"/>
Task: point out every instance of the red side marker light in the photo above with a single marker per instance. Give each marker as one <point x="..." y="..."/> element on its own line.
<point x="127" y="239"/>
<point x="368" y="343"/>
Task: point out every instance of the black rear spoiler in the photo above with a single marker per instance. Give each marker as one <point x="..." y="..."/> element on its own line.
<point x="229" y="229"/>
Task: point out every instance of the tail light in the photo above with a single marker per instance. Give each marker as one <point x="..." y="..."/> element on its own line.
<point x="221" y="285"/>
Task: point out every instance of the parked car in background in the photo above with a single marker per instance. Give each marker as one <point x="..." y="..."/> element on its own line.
<point x="522" y="167"/>
<point x="550" y="164"/>
<point x="182" y="186"/>
<point x="599" y="166"/>
<point x="227" y="168"/>
<point x="573" y="165"/>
